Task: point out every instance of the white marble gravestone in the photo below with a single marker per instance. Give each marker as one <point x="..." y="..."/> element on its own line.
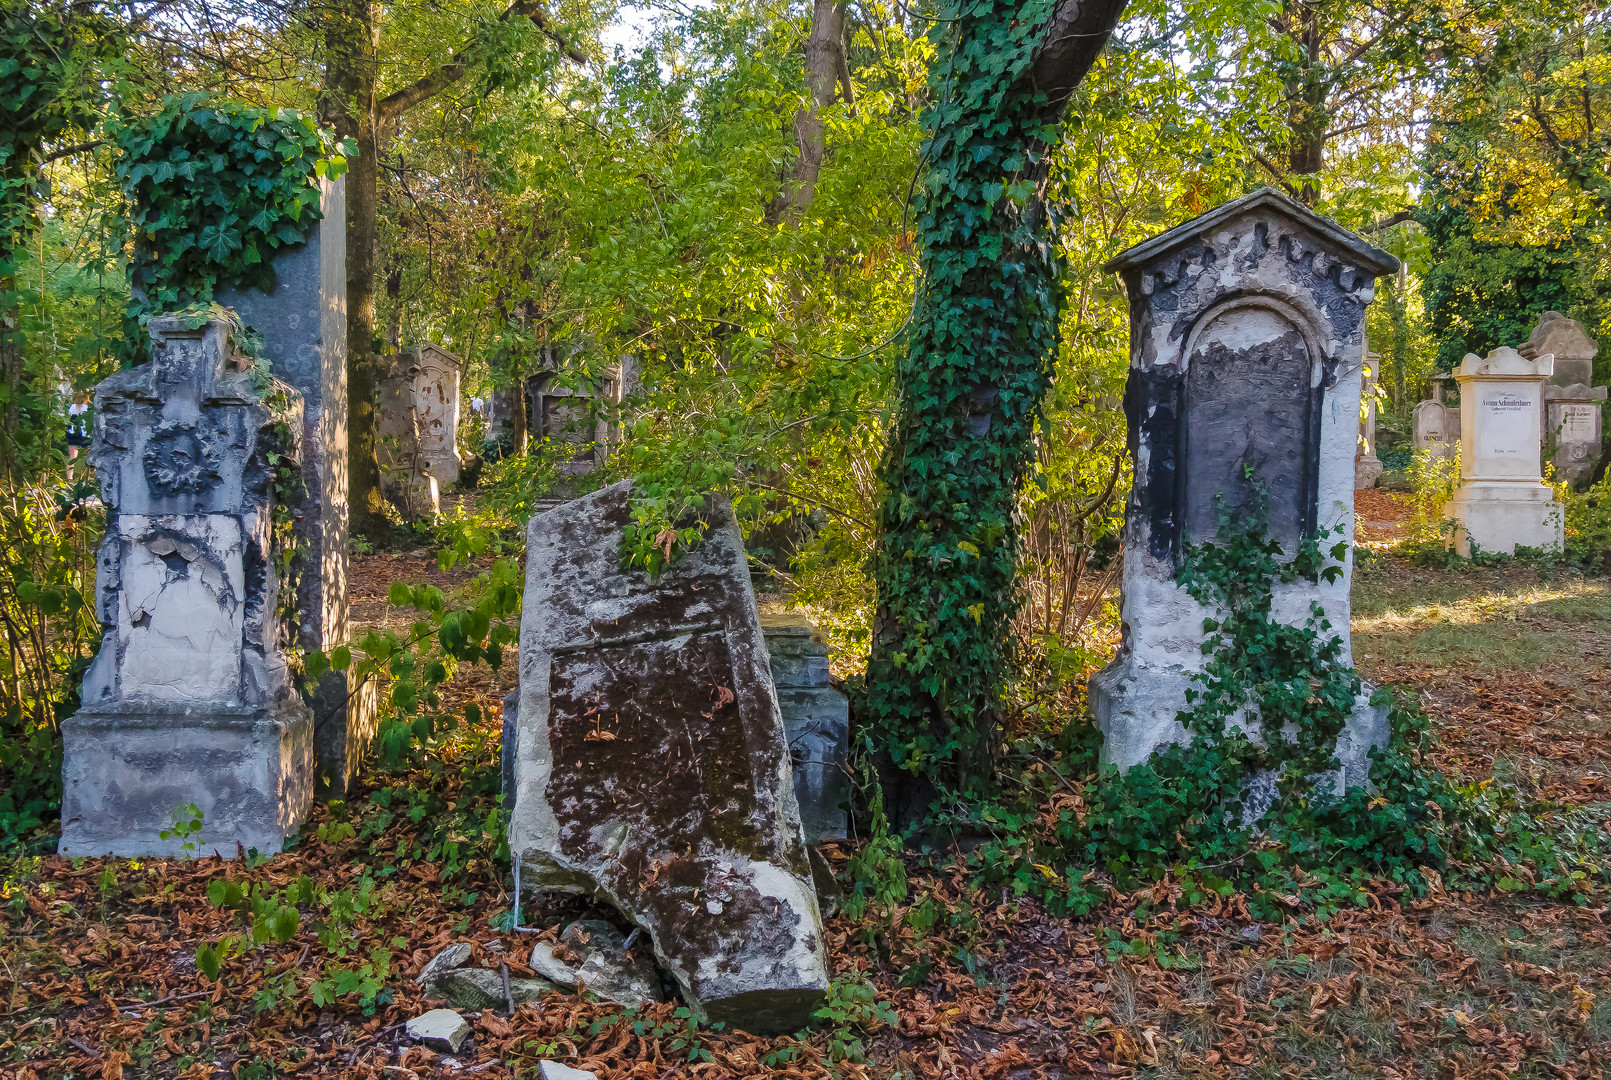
<point x="1436" y="430"/>
<point x="1503" y="502"/>
<point x="436" y="400"/>
<point x="1246" y="344"/>
<point x="189" y="699"/>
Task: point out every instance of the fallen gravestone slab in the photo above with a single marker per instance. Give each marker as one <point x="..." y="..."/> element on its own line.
<point x="651" y="767"/>
<point x="482" y="988"/>
<point x="592" y="954"/>
<point x="440" y="1029"/>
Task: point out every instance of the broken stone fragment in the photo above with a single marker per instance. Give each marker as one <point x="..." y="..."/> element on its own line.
<point x="479" y="988"/>
<point x="592" y="954"/>
<point x="440" y="1029"/>
<point x="553" y="1070"/>
<point x="454" y="956"/>
<point x="651" y="768"/>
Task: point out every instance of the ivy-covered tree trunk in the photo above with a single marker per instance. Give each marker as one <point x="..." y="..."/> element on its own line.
<point x="979" y="361"/>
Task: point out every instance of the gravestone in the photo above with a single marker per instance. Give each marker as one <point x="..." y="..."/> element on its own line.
<point x="1368" y="467"/>
<point x="1569" y="343"/>
<point x="651" y="768"/>
<point x="816" y="720"/>
<point x="1436" y="430"/>
<point x="304" y="324"/>
<point x="1572" y="429"/>
<point x="1246" y="348"/>
<point x="573" y="416"/>
<point x="189" y="699"/>
<point x="436" y="399"/>
<point x="1502" y="501"/>
<point x="418" y="424"/>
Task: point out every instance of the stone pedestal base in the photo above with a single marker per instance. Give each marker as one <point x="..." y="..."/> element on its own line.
<point x="125" y="773"/>
<point x="1135" y="706"/>
<point x="1497" y="516"/>
<point x="1367" y="471"/>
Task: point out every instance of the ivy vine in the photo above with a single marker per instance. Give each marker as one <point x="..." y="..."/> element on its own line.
<point x="217" y="188"/>
<point x="974" y="376"/>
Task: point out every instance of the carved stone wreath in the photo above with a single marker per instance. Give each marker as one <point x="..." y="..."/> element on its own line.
<point x="179" y="461"/>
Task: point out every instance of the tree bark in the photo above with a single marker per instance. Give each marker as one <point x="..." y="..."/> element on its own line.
<point x="825" y="69"/>
<point x="352" y="107"/>
<point x="979" y="358"/>
<point x="1307" y="116"/>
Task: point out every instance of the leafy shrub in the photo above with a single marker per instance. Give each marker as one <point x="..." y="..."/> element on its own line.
<point x="1588" y="524"/>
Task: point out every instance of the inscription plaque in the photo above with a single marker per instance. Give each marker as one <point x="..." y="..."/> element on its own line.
<point x="1248" y="410"/>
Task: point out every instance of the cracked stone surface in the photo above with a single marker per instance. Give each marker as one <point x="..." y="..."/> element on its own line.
<point x="592" y="954"/>
<point x="189" y="698"/>
<point x="651" y="766"/>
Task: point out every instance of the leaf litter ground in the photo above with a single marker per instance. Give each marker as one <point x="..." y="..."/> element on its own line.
<point x="101" y="978"/>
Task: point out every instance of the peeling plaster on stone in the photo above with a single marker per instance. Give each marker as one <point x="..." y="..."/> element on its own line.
<point x="188" y="699"/>
<point x="1237" y="276"/>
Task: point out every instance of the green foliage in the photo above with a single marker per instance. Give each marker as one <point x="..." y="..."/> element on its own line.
<point x="411" y="668"/>
<point x="852" y="1009"/>
<point x="186" y="824"/>
<point x="216" y="188"/>
<point x="1266" y="711"/>
<point x="973" y="377"/>
<point x="48" y="539"/>
<point x="1588" y="524"/>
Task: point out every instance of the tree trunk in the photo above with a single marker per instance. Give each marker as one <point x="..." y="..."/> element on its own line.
<point x="350" y="106"/>
<point x="824" y="62"/>
<point x="978" y="363"/>
<point x="1307" y="117"/>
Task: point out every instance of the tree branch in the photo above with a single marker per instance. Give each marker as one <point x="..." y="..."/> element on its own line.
<point x="1074" y="37"/>
<point x="1389" y="221"/>
<point x="394" y="105"/>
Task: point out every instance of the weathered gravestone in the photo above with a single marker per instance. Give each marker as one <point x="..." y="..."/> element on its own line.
<point x="1368" y="467"/>
<point x="1569" y="343"/>
<point x="1503" y="501"/>
<point x="1436" y="430"/>
<point x="1572" y="403"/>
<point x="1246" y="337"/>
<point x="418" y="402"/>
<point x="189" y="699"/>
<point x="1572" y="432"/>
<point x="304" y="324"/>
<point x="571" y="415"/>
<point x="651" y="766"/>
<point x="816" y="719"/>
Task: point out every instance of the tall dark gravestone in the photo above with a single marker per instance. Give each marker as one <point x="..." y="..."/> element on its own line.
<point x="304" y="326"/>
<point x="1246" y="356"/>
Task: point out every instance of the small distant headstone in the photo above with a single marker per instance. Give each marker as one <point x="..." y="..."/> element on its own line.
<point x="436" y="375"/>
<point x="1503" y="502"/>
<point x="304" y="324"/>
<point x="189" y="700"/>
<point x="409" y="475"/>
<point x="1436" y="430"/>
<point x="816" y="718"/>
<point x="1569" y="343"/>
<point x="1368" y="467"/>
<point x="1246" y="346"/>
<point x="572" y="415"/>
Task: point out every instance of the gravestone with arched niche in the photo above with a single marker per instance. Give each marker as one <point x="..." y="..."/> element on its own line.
<point x="1247" y="340"/>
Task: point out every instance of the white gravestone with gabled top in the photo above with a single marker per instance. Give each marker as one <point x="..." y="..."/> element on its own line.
<point x="1503" y="502"/>
<point x="1246" y="348"/>
<point x="189" y="700"/>
<point x="1436" y="430"/>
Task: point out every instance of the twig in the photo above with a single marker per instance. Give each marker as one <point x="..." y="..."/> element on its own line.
<point x="508" y="995"/>
<point x="138" y="1004"/>
<point x="90" y="1050"/>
